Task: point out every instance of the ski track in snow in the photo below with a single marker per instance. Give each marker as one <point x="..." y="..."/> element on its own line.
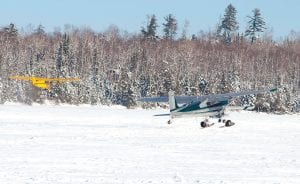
<point x="112" y="145"/>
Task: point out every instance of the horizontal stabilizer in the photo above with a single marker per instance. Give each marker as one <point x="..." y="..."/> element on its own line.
<point x="162" y="114"/>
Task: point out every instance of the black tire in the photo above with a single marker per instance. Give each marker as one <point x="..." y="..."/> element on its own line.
<point x="203" y="124"/>
<point x="228" y="123"/>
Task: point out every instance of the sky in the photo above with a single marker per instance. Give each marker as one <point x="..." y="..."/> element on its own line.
<point x="281" y="16"/>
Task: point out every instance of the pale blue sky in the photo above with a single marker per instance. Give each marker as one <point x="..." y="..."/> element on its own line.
<point x="281" y="15"/>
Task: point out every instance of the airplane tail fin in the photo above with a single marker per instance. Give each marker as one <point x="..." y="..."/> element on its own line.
<point x="172" y="101"/>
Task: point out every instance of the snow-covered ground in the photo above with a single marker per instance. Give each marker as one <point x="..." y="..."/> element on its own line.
<point x="113" y="145"/>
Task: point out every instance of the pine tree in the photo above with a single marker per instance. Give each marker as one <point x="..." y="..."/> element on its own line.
<point x="64" y="68"/>
<point x="203" y="86"/>
<point x="150" y="31"/>
<point x="144" y="85"/>
<point x="11" y="31"/>
<point x="170" y="27"/>
<point x="194" y="37"/>
<point x="228" y="24"/>
<point x="125" y="93"/>
<point x="256" y="24"/>
<point x="63" y="57"/>
<point x="40" y="30"/>
<point x="223" y="86"/>
<point x="185" y="30"/>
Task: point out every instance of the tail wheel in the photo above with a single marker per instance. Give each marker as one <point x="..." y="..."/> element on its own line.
<point x="203" y="124"/>
<point x="228" y="123"/>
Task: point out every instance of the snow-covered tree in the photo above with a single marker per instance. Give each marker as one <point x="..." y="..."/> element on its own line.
<point x="116" y="68"/>
<point x="125" y="94"/>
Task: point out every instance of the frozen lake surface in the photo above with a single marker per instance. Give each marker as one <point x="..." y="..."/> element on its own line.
<point x="112" y="145"/>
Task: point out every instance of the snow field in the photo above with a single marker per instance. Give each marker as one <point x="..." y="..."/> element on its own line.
<point x="84" y="144"/>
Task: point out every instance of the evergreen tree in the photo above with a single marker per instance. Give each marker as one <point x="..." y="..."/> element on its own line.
<point x="170" y="27"/>
<point x="228" y="24"/>
<point x="223" y="86"/>
<point x="132" y="64"/>
<point x="40" y="30"/>
<point x="64" y="65"/>
<point x="150" y="31"/>
<point x="185" y="30"/>
<point x="256" y="24"/>
<point x="59" y="60"/>
<point x="63" y="57"/>
<point x="144" y="85"/>
<point x="125" y="92"/>
<point x="194" y="37"/>
<point x="11" y="31"/>
<point x="203" y="86"/>
<point x="166" y="79"/>
<point x="66" y="44"/>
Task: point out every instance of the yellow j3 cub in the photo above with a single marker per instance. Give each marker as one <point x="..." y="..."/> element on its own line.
<point x="44" y="83"/>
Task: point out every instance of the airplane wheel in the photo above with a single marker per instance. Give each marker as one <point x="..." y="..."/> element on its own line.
<point x="203" y="124"/>
<point x="229" y="123"/>
<point x="220" y="120"/>
<point x="169" y="122"/>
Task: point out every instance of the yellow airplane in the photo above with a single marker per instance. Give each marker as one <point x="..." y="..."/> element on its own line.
<point x="44" y="83"/>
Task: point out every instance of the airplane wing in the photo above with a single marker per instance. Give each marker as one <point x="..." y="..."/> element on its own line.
<point x="237" y="94"/>
<point x="211" y="97"/>
<point x="21" y="78"/>
<point x="179" y="99"/>
<point x="45" y="79"/>
<point x="61" y="79"/>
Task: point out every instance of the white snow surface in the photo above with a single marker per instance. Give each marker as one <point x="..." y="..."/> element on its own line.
<point x="50" y="144"/>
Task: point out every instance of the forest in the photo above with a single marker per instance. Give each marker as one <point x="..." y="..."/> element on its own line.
<point x="117" y="67"/>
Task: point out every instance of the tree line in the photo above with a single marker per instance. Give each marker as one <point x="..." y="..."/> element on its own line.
<point x="226" y="29"/>
<point x="119" y="68"/>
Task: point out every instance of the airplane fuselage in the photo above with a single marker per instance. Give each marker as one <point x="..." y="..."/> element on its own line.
<point x="208" y="109"/>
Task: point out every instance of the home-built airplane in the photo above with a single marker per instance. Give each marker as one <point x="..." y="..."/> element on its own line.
<point x="44" y="83"/>
<point x="205" y="106"/>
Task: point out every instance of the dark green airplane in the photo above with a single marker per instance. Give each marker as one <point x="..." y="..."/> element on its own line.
<point x="205" y="106"/>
